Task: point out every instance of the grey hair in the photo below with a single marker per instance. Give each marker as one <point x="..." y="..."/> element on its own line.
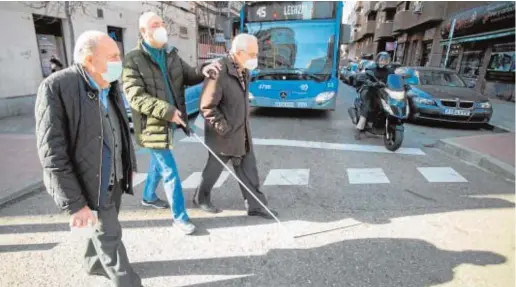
<point x="86" y="44"/>
<point x="144" y="19"/>
<point x="241" y="42"/>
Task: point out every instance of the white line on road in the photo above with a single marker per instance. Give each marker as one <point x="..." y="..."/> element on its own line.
<point x="330" y="146"/>
<point x="194" y="180"/>
<point x="366" y="176"/>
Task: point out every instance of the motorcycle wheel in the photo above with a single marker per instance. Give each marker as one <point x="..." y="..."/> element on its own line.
<point x="395" y="138"/>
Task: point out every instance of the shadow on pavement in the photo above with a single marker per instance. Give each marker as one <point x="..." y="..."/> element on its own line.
<point x="289" y="113"/>
<point x="27" y="247"/>
<point x="362" y="262"/>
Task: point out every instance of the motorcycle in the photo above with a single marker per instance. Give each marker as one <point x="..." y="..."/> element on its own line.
<point x="388" y="112"/>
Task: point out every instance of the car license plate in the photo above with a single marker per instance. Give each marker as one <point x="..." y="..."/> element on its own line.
<point x="284" y="104"/>
<point x="454" y="112"/>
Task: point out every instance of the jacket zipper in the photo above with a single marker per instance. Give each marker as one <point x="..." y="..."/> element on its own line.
<point x="101" y="150"/>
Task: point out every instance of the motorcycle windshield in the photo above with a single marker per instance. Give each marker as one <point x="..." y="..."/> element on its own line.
<point x="395" y="82"/>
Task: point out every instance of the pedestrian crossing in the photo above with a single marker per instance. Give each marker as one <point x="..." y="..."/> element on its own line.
<point x="301" y="177"/>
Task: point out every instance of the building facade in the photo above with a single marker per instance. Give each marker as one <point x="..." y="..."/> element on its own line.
<point x="417" y="33"/>
<point x="34" y="31"/>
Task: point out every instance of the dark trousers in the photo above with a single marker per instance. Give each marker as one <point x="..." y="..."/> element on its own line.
<point x="105" y="251"/>
<point x="367" y="97"/>
<point x="246" y="171"/>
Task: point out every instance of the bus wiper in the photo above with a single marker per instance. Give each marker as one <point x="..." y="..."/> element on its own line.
<point x="305" y="72"/>
<point x="292" y="71"/>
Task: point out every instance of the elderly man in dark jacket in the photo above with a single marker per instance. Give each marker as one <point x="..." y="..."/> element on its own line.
<point x="225" y="107"/>
<point x="86" y="151"/>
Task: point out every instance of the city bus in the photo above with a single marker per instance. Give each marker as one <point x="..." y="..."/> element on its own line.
<point x="298" y="59"/>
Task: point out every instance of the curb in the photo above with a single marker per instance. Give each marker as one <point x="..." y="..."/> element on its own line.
<point x="24" y="192"/>
<point x="481" y="160"/>
<point x="499" y="129"/>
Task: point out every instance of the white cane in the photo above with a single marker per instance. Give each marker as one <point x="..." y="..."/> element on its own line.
<point x="239" y="181"/>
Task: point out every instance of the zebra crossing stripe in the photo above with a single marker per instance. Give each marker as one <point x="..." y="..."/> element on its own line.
<point x="287" y="177"/>
<point x="366" y="176"/>
<point x="283" y="177"/>
<point x="441" y="174"/>
<point x="194" y="180"/>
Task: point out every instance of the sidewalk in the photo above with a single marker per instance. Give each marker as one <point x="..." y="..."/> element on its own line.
<point x="494" y="153"/>
<point x="503" y="115"/>
<point x="20" y="168"/>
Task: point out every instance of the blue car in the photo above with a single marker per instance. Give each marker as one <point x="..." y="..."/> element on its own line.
<point x="438" y="94"/>
<point x="192" y="97"/>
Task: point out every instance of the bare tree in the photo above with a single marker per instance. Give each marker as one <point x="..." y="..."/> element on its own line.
<point x="163" y="9"/>
<point x="70" y="8"/>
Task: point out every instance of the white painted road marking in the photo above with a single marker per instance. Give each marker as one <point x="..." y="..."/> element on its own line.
<point x="194" y="180"/>
<point x="325" y="145"/>
<point x="302" y="176"/>
<point x="441" y="174"/>
<point x="139" y="178"/>
<point x="287" y="177"/>
<point x="366" y="176"/>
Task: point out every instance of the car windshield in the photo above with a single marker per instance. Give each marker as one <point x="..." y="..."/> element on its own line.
<point x="440" y="78"/>
<point x="286" y="46"/>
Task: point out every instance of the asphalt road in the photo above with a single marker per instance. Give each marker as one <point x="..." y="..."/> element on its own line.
<point x="360" y="216"/>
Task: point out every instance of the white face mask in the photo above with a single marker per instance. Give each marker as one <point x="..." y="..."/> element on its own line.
<point x="251" y="64"/>
<point x="160" y="35"/>
<point x="114" y="70"/>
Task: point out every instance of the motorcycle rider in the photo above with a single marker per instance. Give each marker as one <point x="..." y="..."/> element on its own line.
<point x="381" y="70"/>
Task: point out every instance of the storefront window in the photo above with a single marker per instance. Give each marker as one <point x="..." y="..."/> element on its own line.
<point x="453" y="57"/>
<point x="425" y="53"/>
<point x="399" y="53"/>
<point x="471" y="61"/>
<point x="501" y="65"/>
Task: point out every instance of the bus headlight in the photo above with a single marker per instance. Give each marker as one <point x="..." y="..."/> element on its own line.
<point x="324" y="97"/>
<point x="251" y="97"/>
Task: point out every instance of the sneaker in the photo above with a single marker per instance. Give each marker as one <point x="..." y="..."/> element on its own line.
<point x="186" y="227"/>
<point x="158" y="203"/>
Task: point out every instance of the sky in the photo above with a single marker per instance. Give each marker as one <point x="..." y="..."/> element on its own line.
<point x="348" y="8"/>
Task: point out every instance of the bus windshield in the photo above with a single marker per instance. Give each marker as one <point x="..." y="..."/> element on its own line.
<point x="297" y="47"/>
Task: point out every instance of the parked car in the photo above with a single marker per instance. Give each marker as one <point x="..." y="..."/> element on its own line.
<point x="442" y="95"/>
<point x="192" y="97"/>
<point x="348" y="71"/>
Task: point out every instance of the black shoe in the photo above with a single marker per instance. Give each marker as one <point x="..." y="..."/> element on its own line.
<point x="262" y="213"/>
<point x="101" y="273"/>
<point x="207" y="207"/>
<point x="158" y="203"/>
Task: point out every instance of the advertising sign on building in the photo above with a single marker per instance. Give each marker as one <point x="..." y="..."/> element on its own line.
<point x="495" y="16"/>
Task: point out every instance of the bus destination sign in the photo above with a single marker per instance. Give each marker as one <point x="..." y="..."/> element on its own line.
<point x="291" y="10"/>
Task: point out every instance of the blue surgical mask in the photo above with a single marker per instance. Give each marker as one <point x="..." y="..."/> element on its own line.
<point x="114" y="70"/>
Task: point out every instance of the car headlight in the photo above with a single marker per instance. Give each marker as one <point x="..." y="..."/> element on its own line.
<point x="397" y="95"/>
<point x="324" y="97"/>
<point x="251" y="97"/>
<point x="424" y="101"/>
<point x="485" y="105"/>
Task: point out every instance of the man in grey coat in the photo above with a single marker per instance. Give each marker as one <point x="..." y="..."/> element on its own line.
<point x="225" y="106"/>
<point x="85" y="148"/>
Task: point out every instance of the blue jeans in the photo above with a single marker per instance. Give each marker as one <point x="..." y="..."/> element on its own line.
<point x="163" y="166"/>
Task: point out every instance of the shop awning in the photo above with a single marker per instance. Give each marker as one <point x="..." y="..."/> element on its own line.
<point x="480" y="37"/>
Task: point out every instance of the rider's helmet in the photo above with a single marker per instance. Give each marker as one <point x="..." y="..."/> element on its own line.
<point x="382" y="60"/>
